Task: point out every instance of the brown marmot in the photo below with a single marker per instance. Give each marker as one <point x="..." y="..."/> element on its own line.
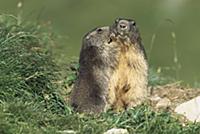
<point x="113" y="69"/>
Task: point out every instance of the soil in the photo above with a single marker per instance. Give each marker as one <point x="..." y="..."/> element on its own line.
<point x="173" y="92"/>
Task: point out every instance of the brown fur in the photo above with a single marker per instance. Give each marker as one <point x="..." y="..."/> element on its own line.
<point x="89" y="93"/>
<point x="113" y="70"/>
<point x="128" y="83"/>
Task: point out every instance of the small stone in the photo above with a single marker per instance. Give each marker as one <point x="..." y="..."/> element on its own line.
<point x="163" y="103"/>
<point x="155" y="98"/>
<point x="67" y="132"/>
<point x="117" y="131"/>
<point x="190" y="109"/>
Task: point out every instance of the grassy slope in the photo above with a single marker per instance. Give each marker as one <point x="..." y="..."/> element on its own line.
<point x="30" y="100"/>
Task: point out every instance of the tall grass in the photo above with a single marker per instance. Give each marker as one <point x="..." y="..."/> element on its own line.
<point x="27" y="69"/>
<point x="30" y="99"/>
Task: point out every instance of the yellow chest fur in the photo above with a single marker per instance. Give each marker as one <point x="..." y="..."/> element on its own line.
<point x="129" y="79"/>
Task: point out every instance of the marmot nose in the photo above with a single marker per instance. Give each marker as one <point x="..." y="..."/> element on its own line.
<point x="123" y="26"/>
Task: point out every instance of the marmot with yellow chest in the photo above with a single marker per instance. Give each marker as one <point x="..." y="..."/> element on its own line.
<point x="113" y="69"/>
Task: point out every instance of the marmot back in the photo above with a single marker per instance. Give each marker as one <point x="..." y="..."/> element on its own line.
<point x="89" y="94"/>
<point x="113" y="69"/>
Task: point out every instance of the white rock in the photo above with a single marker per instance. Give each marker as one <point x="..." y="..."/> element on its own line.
<point x="190" y="109"/>
<point x="67" y="132"/>
<point x="117" y="131"/>
<point x="163" y="103"/>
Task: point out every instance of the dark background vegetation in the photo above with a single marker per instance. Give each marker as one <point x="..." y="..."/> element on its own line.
<point x="170" y="28"/>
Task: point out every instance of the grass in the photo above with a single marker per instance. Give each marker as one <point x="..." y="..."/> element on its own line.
<point x="31" y="92"/>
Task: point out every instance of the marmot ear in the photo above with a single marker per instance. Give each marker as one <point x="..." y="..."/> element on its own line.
<point x="133" y="22"/>
<point x="117" y="20"/>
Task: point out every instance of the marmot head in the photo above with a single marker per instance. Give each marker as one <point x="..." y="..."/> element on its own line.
<point x="96" y="37"/>
<point x="125" y="29"/>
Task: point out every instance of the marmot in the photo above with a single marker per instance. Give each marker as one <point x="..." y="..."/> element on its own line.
<point x="113" y="69"/>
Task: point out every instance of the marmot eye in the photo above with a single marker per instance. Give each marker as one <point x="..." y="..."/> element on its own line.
<point x="99" y="30"/>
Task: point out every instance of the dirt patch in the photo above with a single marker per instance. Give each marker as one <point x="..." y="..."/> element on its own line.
<point x="174" y="93"/>
<point x="165" y="97"/>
